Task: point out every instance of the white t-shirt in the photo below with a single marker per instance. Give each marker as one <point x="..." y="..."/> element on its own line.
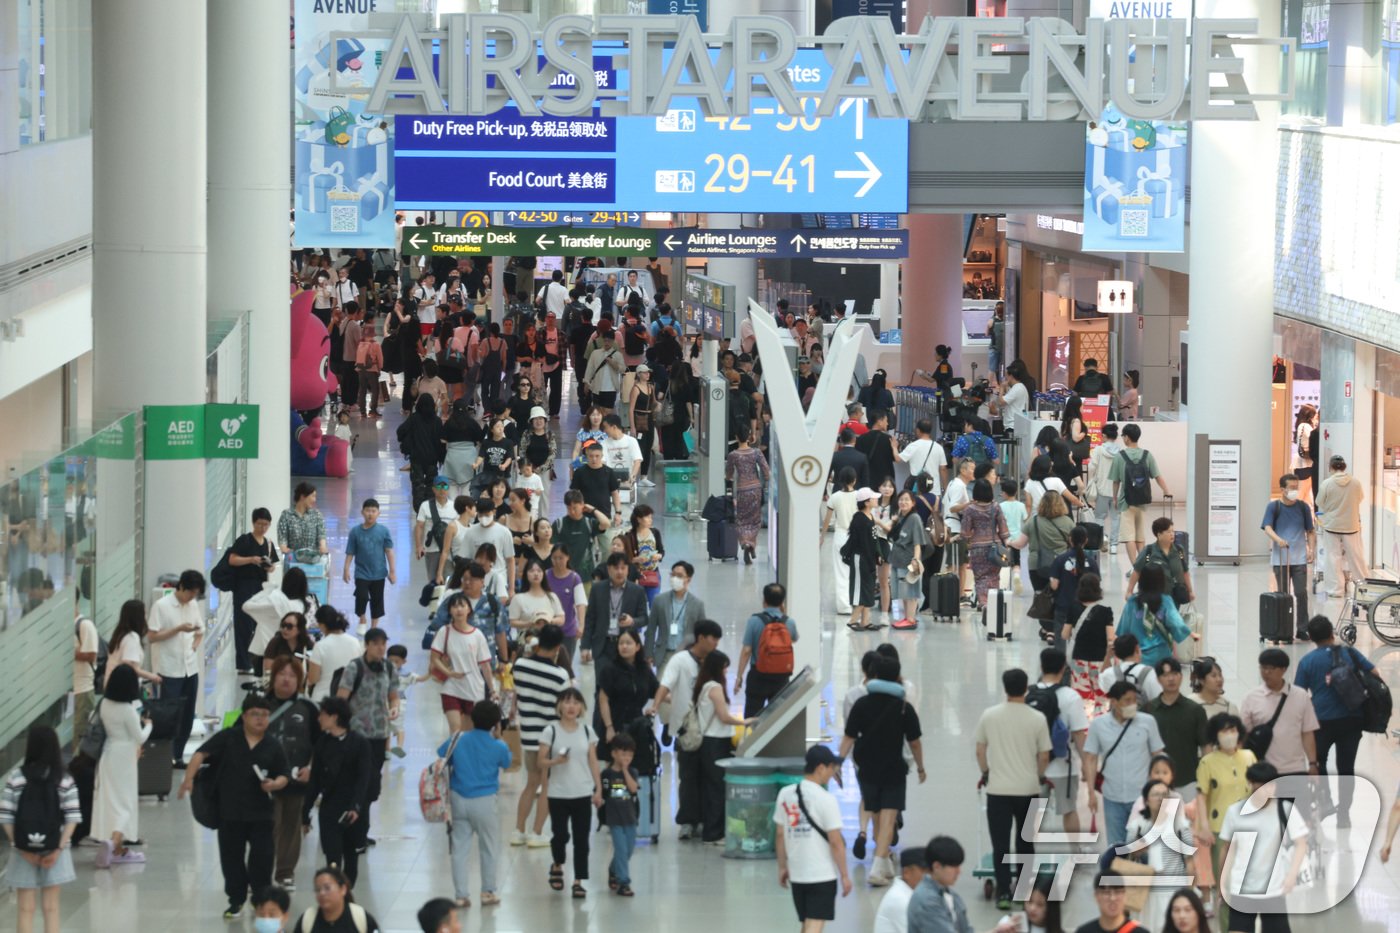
<point x="893" y="915"/>
<point x="527" y="606"/>
<point x="331" y="654"/>
<point x="808" y="847"/>
<point x="573" y="778"/>
<point x="425" y="518"/>
<point x="923" y="454"/>
<point x="175" y="656"/>
<point x="842" y="505"/>
<point x="1037" y="489"/>
<point x="679" y="678"/>
<point x="1076" y="720"/>
<point x="84" y="640"/>
<point x="536" y="486"/>
<point x="1016" y="399"/>
<point x="715" y="727"/>
<point x="1260" y="866"/>
<point x="1143" y="677"/>
<point x="129" y="651"/>
<point x="957" y="495"/>
<point x="620" y="453"/>
<point x="464" y="652"/>
<point x="556" y="296"/>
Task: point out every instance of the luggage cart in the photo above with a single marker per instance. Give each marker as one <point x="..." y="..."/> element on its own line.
<point x="317" y="569"/>
<point x="913" y="403"/>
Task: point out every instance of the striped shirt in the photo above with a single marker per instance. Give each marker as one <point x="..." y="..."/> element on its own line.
<point x="537" y="686"/>
<point x="14" y="788"/>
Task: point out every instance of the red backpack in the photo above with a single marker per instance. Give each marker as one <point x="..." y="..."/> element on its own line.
<point x="774" y="648"/>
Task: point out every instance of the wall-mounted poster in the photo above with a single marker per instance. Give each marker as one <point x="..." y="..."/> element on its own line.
<point x="1134" y="185"/>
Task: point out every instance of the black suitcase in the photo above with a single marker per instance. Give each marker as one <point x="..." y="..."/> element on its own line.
<point x="994" y="616"/>
<point x="153" y="770"/>
<point x="1276" y="610"/>
<point x="1095" y="533"/>
<point x="164" y="713"/>
<point x="723" y="540"/>
<point x="946" y="597"/>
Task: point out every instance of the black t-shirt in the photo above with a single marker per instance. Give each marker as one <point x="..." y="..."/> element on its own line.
<point x="876" y="447"/>
<point x="520" y="409"/>
<point x="881" y="724"/>
<point x="495" y="454"/>
<point x="248" y="575"/>
<point x="536" y="447"/>
<point x="619" y="803"/>
<point x="597" y="487"/>
<point x="241" y="798"/>
<point x="1091" y="634"/>
<point x="850" y="457"/>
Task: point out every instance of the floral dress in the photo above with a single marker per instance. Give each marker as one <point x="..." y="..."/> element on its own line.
<point x="748" y="469"/>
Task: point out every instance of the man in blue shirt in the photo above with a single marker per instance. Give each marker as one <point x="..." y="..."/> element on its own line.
<point x="1289" y="524"/>
<point x="370" y="549"/>
<point x="1338" y="725"/>
<point x="477" y="758"/>
<point x="763" y="685"/>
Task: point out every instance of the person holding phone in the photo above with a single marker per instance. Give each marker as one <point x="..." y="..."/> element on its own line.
<point x="340" y="772"/>
<point x="252" y="557"/>
<point x="569" y="753"/>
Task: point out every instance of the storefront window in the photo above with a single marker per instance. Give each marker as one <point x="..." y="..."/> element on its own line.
<point x="1306" y="22"/>
<point x="55" y="70"/>
<point x="1390" y="61"/>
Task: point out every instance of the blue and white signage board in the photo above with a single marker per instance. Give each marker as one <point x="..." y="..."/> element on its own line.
<point x="700" y="9"/>
<point x="783" y="244"/>
<point x="1134" y="185"/>
<point x="679" y="161"/>
<point x="538" y="218"/>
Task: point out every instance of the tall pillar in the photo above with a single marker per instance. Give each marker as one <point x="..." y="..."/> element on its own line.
<point x="741" y="273"/>
<point x="1232" y="253"/>
<point x="931" y="294"/>
<point x="249" y="199"/>
<point x="1354" y="73"/>
<point x="150" y="242"/>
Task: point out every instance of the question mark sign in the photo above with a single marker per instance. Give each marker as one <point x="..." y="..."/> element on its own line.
<point x="806" y="470"/>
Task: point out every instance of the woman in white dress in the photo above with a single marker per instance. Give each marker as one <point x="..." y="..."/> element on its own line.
<point x="114" y="806"/>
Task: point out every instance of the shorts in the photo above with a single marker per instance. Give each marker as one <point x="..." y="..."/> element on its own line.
<point x="457" y="703"/>
<point x="605" y="399"/>
<point x="882" y="795"/>
<point x="425" y="330"/>
<point x="1132" y="524"/>
<point x="369" y="593"/>
<point x="957" y="552"/>
<point x="1066" y="794"/>
<point x="814" y="900"/>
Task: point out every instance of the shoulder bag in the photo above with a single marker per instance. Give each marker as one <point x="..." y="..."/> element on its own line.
<point x="1098" y="775"/>
<point x="1262" y="736"/>
<point x="806" y="814"/>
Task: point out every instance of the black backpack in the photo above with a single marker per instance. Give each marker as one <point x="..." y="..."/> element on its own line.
<point x="39" y="816"/>
<point x="633" y="341"/>
<point x="1043" y="699"/>
<point x="1137" y="479"/>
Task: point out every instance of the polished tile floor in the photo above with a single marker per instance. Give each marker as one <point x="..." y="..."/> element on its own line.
<point x="679" y="885"/>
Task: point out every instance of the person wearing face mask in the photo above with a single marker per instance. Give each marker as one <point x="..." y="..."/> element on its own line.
<point x="671" y="624"/>
<point x="271" y="906"/>
<point x="1289" y="524"/>
<point x="1220" y="779"/>
<point x="369" y="684"/>
<point x="1120" y="747"/>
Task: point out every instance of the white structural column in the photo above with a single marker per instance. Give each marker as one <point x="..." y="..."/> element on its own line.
<point x="741" y="273"/>
<point x="149" y="243"/>
<point x="1232" y="223"/>
<point x="249" y="197"/>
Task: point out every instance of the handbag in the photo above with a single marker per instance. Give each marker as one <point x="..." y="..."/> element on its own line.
<point x="96" y="734"/>
<point x="921" y="481"/>
<point x="649" y="578"/>
<point x="1042" y="607"/>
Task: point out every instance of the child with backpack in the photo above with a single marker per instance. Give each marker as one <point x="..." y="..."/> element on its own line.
<point x="39" y="812"/>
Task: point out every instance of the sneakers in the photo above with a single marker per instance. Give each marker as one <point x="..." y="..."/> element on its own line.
<point x="882" y="872"/>
<point x="714" y="842"/>
<point x="104" y="854"/>
<point x="685" y="833"/>
<point x="288" y="884"/>
<point x="517" y="838"/>
<point x="233" y="912"/>
<point x="537" y="841"/>
<point x="1004" y="902"/>
<point x="398" y="752"/>
<point x="129" y="858"/>
<point x="645" y="483"/>
<point x="490" y="898"/>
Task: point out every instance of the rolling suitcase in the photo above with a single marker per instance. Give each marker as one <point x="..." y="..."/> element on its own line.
<point x="1094" y="530"/>
<point x="649" y="808"/>
<point x="153" y="771"/>
<point x="723" y="540"/>
<point x="1276" y="613"/>
<point x="945" y="598"/>
<point x="994" y="616"/>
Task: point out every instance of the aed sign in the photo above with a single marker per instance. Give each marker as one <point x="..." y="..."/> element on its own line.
<point x="197" y="432"/>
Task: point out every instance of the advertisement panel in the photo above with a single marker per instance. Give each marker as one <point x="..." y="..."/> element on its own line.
<point x="1134" y="185"/>
<point x="344" y="182"/>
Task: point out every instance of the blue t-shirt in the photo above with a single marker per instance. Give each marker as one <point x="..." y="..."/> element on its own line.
<point x="1291" y="523"/>
<point x="1312" y="676"/>
<point x="753" y="629"/>
<point x="477" y="762"/>
<point x="367" y="546"/>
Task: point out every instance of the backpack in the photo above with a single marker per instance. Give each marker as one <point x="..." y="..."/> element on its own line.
<point x="437" y="530"/>
<point x="221" y="575"/>
<point x="665" y="413"/>
<point x="1044" y="699"/>
<point x="100" y="664"/>
<point x="691" y="734"/>
<point x="95" y="736"/>
<point x="358" y="916"/>
<point x="435" y="787"/>
<point x="1375" y="712"/>
<point x="39" y="816"/>
<point x="774" y="648"/>
<point x="633" y="341"/>
<point x="1137" y="479"/>
<point x="570" y="538"/>
<point x="359" y="676"/>
<point x="977" y="448"/>
<point x="1345" y="679"/>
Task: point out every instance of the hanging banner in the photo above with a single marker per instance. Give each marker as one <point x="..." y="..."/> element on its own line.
<point x="344" y="185"/>
<point x="1134" y="185"/>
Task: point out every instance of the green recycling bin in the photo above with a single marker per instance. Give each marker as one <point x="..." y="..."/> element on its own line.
<point x="751" y="788"/>
<point x="682" y="492"/>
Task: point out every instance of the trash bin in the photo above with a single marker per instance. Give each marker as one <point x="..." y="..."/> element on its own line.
<point x="682" y="492"/>
<point x="751" y="788"/>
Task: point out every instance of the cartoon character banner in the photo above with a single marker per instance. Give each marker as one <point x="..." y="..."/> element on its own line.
<point x="1134" y="185"/>
<point x="344" y="157"/>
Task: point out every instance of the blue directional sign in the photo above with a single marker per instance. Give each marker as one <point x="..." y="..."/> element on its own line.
<point x="679" y="161"/>
<point x="783" y="244"/>
<point x="552" y="218"/>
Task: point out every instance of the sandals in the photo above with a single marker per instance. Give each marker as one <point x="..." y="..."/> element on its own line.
<point x="624" y="891"/>
<point x="556" y="877"/>
<point x="612" y="882"/>
<point x="578" y="892"/>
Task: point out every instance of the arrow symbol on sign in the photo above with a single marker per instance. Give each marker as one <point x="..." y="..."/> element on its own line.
<point x="670" y="242"/>
<point x="871" y="174"/>
<point x="542" y="242"/>
<point x="512" y="215"/>
<point x="859" y="104"/>
<point x="415" y="241"/>
<point x="798" y="242"/>
<point x="633" y="217"/>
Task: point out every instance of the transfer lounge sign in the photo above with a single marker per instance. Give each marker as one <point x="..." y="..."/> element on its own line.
<point x="201" y="432"/>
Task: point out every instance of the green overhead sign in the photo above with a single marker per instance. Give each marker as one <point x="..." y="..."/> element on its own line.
<point x="200" y="432"/>
<point x="547" y="241"/>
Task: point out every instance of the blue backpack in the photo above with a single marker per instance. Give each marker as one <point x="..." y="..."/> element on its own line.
<point x="1043" y="698"/>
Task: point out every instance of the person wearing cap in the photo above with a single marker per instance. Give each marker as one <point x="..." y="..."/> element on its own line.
<point x="862" y="554"/>
<point x="806" y="379"/>
<point x="811" y="850"/>
<point x="640" y="405"/>
<point x="1294" y="746"/>
<point x="430" y="529"/>
<point x="1338" y="504"/>
<point x="369" y="684"/>
<point x="893" y="915"/>
<point x="603" y="374"/>
<point x="538" y="448"/>
<point x="878" y="726"/>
